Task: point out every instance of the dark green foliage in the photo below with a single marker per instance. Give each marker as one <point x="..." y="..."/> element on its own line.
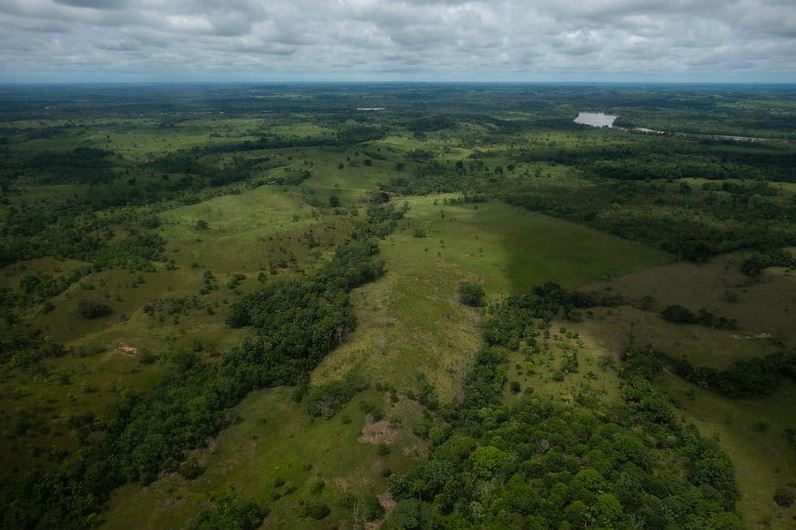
<point x="472" y="294"/>
<point x="694" y="226"/>
<point x="230" y="513"/>
<point x="372" y="508"/>
<point x="327" y="399"/>
<point x="133" y="252"/>
<point x="430" y="123"/>
<point x="543" y="464"/>
<point x="298" y="322"/>
<point x="40" y="287"/>
<point x="426" y="394"/>
<point x="91" y="309"/>
<point x="754" y="265"/>
<point x="784" y="497"/>
<point x="682" y="315"/>
<point x="752" y="377"/>
<point x="511" y="322"/>
<point x="236" y="280"/>
<point x="84" y="165"/>
<point x="284" y="309"/>
<point x="678" y="315"/>
<point x="642" y="362"/>
<point x="484" y="383"/>
<point x="359" y="134"/>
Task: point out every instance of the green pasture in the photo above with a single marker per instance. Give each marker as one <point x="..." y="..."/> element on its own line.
<point x="275" y="441"/>
<point x="411" y="322"/>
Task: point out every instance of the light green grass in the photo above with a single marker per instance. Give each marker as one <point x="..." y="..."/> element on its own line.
<point x="535" y="371"/>
<point x="511" y="249"/>
<point x="411" y="322"/>
<point x="246" y="231"/>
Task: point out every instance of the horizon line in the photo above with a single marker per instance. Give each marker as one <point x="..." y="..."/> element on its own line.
<point x="13" y="83"/>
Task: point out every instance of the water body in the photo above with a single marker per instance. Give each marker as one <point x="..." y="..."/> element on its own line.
<point x="601" y="119"/>
<point x="595" y="119"/>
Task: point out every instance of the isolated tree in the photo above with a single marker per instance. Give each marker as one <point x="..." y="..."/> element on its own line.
<point x="91" y="309"/>
<point x="678" y="314"/>
<point x="472" y="294"/>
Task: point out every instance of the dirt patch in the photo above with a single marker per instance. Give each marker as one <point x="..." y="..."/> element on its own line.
<point x="380" y="432"/>
<point x="387" y="502"/>
<point x="759" y="336"/>
<point x="127" y="349"/>
<point x="172" y="502"/>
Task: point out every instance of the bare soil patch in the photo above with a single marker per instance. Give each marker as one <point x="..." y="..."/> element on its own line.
<point x="380" y="432"/>
<point x="127" y="349"/>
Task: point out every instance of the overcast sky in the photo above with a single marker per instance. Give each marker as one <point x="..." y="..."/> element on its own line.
<point x="411" y="40"/>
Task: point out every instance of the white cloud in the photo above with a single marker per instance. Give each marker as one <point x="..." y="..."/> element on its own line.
<point x="502" y="40"/>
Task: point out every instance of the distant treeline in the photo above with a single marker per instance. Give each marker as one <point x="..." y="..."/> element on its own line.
<point x="758" y="376"/>
<point x="691" y="225"/>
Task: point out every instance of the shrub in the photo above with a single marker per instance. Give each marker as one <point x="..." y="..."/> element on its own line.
<point x="91" y="309"/>
<point x="784" y="497"/>
<point x="316" y="511"/>
<point x="230" y="512"/>
<point x="678" y="315"/>
<point x="472" y="295"/>
<point x="372" y="508"/>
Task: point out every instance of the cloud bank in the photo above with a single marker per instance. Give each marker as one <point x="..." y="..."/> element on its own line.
<point x="409" y="40"/>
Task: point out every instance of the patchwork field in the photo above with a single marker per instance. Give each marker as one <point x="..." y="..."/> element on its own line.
<point x="755" y="431"/>
<point x="411" y="322"/>
<point x="260" y="307"/>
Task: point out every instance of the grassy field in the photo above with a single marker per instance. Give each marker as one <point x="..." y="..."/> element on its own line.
<point x="541" y="373"/>
<point x="765" y="306"/>
<point x="411" y="322"/>
<point x="279" y="456"/>
<point x="700" y="345"/>
<point x="247" y="231"/>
